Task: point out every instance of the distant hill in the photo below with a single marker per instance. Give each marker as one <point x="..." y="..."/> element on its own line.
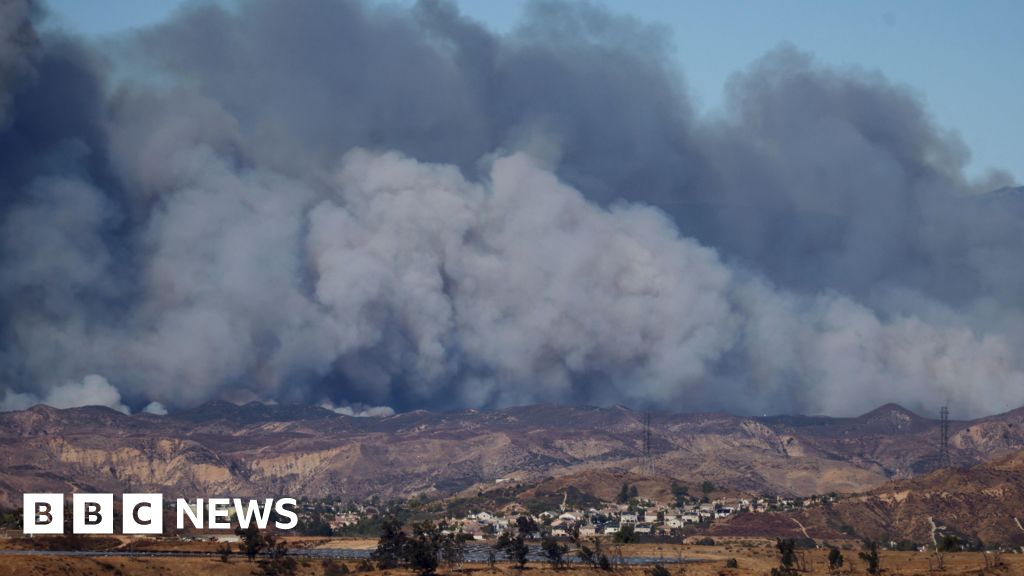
<point x="311" y="452"/>
<point x="979" y="505"/>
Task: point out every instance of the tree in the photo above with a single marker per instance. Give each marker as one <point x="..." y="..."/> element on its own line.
<point x="225" y="552"/>
<point x="251" y="541"/>
<point x="514" y="547"/>
<point x="625" y="535"/>
<point x="391" y="545"/>
<point x="787" y="552"/>
<point x="633" y="492"/>
<point x="424" y="548"/>
<point x="623" y="496"/>
<point x="680" y="493"/>
<point x="949" y="543"/>
<point x="554" y="551"/>
<point x="591" y="556"/>
<point x="275" y="548"/>
<point x="586" y="555"/>
<point x="12" y="519"/>
<point x="527" y="525"/>
<point x="574" y="533"/>
<point x="835" y="559"/>
<point x="707" y="487"/>
<point x="278" y="562"/>
<point x="659" y="570"/>
<point x="313" y="524"/>
<point x="332" y="567"/>
<point x="491" y="560"/>
<point x="787" y="557"/>
<point x="871" y="557"/>
<point x="453" y="549"/>
<point x="279" y="566"/>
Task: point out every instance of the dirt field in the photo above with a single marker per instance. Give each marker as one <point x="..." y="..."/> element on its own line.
<point x="752" y="557"/>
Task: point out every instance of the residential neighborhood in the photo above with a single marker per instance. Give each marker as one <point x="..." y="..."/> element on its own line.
<point x="637" y="517"/>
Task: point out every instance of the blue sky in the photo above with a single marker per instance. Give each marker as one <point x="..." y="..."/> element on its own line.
<point x="961" y="58"/>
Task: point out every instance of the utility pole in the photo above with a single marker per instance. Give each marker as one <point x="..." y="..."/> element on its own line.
<point x="944" y="437"/>
<point x="648" y="465"/>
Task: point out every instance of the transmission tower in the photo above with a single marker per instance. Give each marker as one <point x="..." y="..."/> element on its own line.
<point x="944" y="437"/>
<point x="648" y="461"/>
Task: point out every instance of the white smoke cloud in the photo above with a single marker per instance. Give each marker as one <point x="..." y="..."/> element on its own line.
<point x="17" y="401"/>
<point x="546" y="295"/>
<point x="155" y="408"/>
<point x="93" y="390"/>
<point x="527" y="280"/>
<point x="359" y="410"/>
<point x="846" y="357"/>
<point x="407" y="280"/>
<point x="425" y="285"/>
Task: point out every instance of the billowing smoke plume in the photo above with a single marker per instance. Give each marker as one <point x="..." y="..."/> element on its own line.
<point x="93" y="390"/>
<point x="369" y="207"/>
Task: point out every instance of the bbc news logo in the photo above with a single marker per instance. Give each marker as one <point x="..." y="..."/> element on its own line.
<point x="143" y="513"/>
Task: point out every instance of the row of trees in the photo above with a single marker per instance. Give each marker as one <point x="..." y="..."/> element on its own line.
<point x="791" y="563"/>
<point x="680" y="492"/>
<point x="424" y="550"/>
<point x="430" y="546"/>
<point x="513" y="545"/>
<point x="252" y="543"/>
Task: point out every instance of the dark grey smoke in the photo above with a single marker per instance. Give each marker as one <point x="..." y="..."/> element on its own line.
<point x="371" y="206"/>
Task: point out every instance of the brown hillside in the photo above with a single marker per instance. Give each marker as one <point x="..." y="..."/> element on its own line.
<point x="306" y="451"/>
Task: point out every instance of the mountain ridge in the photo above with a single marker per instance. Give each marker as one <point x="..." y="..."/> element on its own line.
<point x="308" y="451"/>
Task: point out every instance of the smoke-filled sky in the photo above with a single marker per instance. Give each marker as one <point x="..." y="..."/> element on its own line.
<point x="377" y="207"/>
